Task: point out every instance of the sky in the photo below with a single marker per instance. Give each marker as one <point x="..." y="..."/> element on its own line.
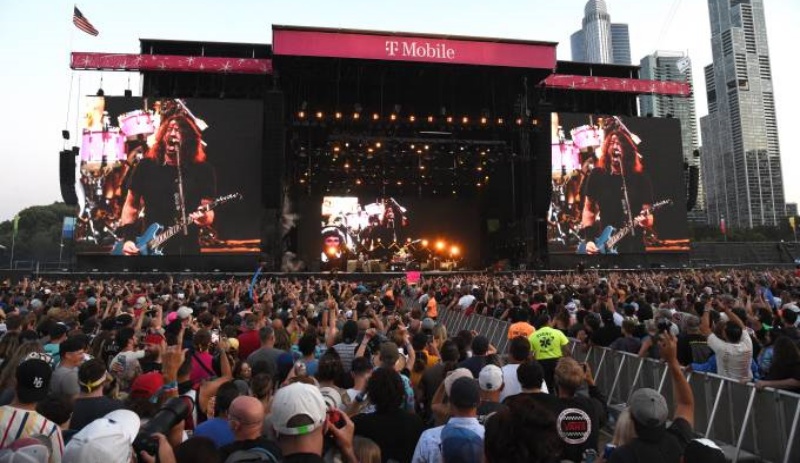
<point x="36" y="37"/>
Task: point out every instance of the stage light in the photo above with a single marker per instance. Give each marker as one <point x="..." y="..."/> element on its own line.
<point x="421" y="167"/>
<point x="412" y="118"/>
<point x="338" y="115"/>
<point x="346" y="165"/>
<point x="412" y="146"/>
<point x="427" y="147"/>
<point x="464" y="120"/>
<point x="424" y="243"/>
<point x="430" y="118"/>
<point x="370" y="150"/>
<point x="375" y="117"/>
<point x="499" y="121"/>
<point x="301" y="114"/>
<point x="449" y="119"/>
<point x="478" y="184"/>
<point x="331" y="251"/>
<point x="480" y="168"/>
<point x="377" y="144"/>
<point x="358" y="181"/>
<point x="356" y="116"/>
<point x="347" y="144"/>
<point x="336" y="149"/>
<point x="483" y="120"/>
<point x="393" y="117"/>
<point x="440" y="245"/>
<point x="319" y="114"/>
<point x="399" y="182"/>
<point x="302" y="180"/>
<point x="454" y="251"/>
<point x="535" y="121"/>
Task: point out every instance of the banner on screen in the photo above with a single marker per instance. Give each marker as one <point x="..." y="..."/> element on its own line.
<point x="617" y="185"/>
<point x="169" y="176"/>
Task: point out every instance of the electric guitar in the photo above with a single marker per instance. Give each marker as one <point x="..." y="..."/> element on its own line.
<point x="607" y="241"/>
<point x="150" y="242"/>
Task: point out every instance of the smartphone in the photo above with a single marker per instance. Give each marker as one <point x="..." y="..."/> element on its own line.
<point x="300" y="369"/>
<point x="215" y="336"/>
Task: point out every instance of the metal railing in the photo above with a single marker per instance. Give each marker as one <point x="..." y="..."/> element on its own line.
<point x="750" y="424"/>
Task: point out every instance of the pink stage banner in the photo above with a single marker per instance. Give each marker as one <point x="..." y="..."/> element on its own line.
<point x="169" y="63"/>
<point x="330" y="44"/>
<point x="615" y="84"/>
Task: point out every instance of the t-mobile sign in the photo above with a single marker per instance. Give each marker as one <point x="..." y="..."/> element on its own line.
<point x="330" y="44"/>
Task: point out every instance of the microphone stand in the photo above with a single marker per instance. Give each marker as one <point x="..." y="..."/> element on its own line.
<point x="626" y="203"/>
<point x="181" y="198"/>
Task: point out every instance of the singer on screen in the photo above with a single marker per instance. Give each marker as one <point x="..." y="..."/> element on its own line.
<point x="165" y="194"/>
<point x="619" y="194"/>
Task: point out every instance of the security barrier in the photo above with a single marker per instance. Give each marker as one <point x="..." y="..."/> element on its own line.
<point x="749" y="424"/>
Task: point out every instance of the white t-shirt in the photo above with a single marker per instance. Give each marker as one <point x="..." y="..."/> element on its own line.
<point x="733" y="360"/>
<point x="465" y="301"/>
<point x="511" y="384"/>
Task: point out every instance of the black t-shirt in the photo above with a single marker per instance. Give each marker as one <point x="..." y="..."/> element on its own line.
<point x="261" y="442"/>
<point x="693" y="348"/>
<point x="157" y="185"/>
<point x="395" y="433"/>
<point x="88" y="409"/>
<point x="780" y="371"/>
<point x="474" y="364"/>
<point x="487" y="408"/>
<point x="606" y="335"/>
<point x="667" y="449"/>
<point x="606" y="190"/>
<point x="578" y="422"/>
<point x="303" y="458"/>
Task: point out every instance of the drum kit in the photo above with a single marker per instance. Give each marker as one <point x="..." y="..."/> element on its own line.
<point x="106" y="157"/>
<point x="571" y="160"/>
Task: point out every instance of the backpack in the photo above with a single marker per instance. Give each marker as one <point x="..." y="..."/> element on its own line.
<point x="254" y="455"/>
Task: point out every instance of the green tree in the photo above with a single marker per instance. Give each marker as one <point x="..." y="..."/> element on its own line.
<point x="39" y="233"/>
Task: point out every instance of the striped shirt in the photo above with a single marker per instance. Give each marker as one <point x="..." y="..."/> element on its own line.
<point x="16" y="423"/>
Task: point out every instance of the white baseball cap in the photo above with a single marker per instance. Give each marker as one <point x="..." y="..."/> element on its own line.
<point x="490" y="378"/>
<point x="104" y="440"/>
<point x="298" y="399"/>
<point x="185" y="312"/>
<point x="453" y="376"/>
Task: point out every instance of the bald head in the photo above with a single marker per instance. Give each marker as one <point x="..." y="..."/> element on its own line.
<point x="246" y="417"/>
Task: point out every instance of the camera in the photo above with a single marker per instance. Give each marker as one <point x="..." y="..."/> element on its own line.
<point x="663" y="325"/>
<point x="173" y="412"/>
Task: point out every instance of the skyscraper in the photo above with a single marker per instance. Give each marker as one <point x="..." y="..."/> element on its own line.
<point x="674" y="66"/>
<point x="599" y="41"/>
<point x="741" y="163"/>
<point x="620" y="44"/>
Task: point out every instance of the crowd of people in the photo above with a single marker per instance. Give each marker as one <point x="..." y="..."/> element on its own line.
<point x="310" y="370"/>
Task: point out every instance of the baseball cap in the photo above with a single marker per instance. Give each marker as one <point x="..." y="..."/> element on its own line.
<point x="332" y="397"/>
<point x="453" y="376"/>
<point x="33" y="380"/>
<point x="104" y="440"/>
<point x="461" y="445"/>
<point x="703" y="451"/>
<point x="389" y="353"/>
<point x="490" y="378"/>
<point x="465" y="393"/>
<point x="298" y="400"/>
<point x="184" y="312"/>
<point x="648" y="408"/>
<point x="36" y="304"/>
<point x="25" y="450"/>
<point x="147" y="385"/>
<point x="428" y="324"/>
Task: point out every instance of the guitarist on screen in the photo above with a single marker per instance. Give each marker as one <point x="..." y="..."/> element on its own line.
<point x="155" y="187"/>
<point x="618" y="193"/>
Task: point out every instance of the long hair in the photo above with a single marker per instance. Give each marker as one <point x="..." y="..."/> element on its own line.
<point x="630" y="155"/>
<point x="190" y="140"/>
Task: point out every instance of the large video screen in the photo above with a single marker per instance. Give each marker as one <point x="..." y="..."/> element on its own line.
<point x="169" y="176"/>
<point x="385" y="233"/>
<point x="618" y="185"/>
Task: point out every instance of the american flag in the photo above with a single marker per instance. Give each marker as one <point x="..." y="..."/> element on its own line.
<point x="82" y="23"/>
